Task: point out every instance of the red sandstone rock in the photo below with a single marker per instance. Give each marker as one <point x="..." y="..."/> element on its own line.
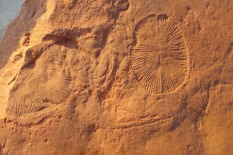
<point x="118" y="77"/>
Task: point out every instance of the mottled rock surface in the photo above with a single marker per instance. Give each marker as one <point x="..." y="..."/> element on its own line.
<point x="118" y="77"/>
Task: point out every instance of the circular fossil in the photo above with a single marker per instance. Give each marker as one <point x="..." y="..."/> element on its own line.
<point x="159" y="56"/>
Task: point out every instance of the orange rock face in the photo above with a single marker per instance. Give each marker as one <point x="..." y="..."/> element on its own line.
<point x="118" y="77"/>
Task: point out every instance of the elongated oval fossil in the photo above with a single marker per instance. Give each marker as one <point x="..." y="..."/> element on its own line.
<point x="159" y="56"/>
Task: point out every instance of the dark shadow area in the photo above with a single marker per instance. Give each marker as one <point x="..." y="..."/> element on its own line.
<point x="162" y="17"/>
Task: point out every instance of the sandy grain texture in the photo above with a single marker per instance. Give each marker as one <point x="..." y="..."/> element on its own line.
<point x="118" y="77"/>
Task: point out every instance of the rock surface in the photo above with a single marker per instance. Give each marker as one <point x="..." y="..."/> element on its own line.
<point x="118" y="77"/>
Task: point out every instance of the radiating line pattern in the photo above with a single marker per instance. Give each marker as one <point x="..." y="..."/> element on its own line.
<point x="159" y="56"/>
<point x="42" y="84"/>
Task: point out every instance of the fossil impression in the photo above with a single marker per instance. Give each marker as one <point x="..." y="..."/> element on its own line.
<point x="159" y="56"/>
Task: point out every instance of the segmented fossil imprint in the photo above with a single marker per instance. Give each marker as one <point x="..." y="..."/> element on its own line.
<point x="159" y="56"/>
<point x="42" y="84"/>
